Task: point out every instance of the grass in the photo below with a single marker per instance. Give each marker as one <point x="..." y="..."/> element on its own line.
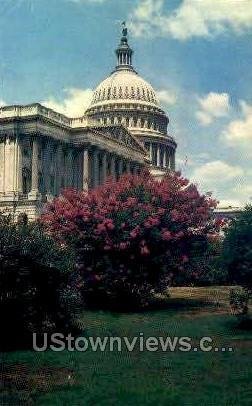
<point x="141" y="378"/>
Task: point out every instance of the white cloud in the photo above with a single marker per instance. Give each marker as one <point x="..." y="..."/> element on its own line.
<point x="213" y="105"/>
<point x="239" y="131"/>
<point x="243" y="189"/>
<point x="192" y="18"/>
<point x="224" y="180"/>
<point x="2" y="103"/>
<point x="74" y="104"/>
<point x="167" y="97"/>
<point x="216" y="172"/>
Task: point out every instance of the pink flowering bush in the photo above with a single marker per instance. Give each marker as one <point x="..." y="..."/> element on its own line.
<point x="133" y="237"/>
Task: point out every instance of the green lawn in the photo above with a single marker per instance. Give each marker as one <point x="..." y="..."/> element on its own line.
<point x="141" y="378"/>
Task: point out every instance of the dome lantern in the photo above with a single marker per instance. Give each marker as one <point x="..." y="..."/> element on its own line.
<point x="124" y="52"/>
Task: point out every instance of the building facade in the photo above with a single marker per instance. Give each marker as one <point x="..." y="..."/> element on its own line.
<point x="123" y="130"/>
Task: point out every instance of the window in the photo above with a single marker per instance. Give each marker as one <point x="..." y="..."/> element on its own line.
<point x="26" y="178"/>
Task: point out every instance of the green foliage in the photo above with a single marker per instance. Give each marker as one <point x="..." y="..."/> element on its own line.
<point x="239" y="300"/>
<point x="237" y="259"/>
<point x="36" y="294"/>
<point x="237" y="249"/>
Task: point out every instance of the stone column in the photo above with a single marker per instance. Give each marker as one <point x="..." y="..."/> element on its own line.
<point x="135" y="169"/>
<point x="19" y="166"/>
<point x="85" y="177"/>
<point x="151" y="152"/>
<point x="47" y="169"/>
<point x="166" y="152"/>
<point x="173" y="161"/>
<point x="164" y="158"/>
<point x="158" y="154"/>
<point x="69" y="176"/>
<point x="120" y="167"/>
<point x="112" y="167"/>
<point x="2" y="166"/>
<point x="95" y="168"/>
<point x="9" y="168"/>
<point x="34" y="193"/>
<point x="58" y="169"/>
<point x="128" y="167"/>
<point x="73" y="168"/>
<point x="104" y="167"/>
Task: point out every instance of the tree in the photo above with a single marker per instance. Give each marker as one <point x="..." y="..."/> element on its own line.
<point x="36" y="292"/>
<point x="237" y="249"/>
<point x="237" y="258"/>
<point x="133" y="236"/>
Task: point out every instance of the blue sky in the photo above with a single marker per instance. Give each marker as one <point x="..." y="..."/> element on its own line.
<point x="197" y="54"/>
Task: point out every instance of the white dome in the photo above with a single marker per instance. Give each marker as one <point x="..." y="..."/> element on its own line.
<point x="124" y="85"/>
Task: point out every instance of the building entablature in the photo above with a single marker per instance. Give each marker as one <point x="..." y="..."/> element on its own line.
<point x="26" y="122"/>
<point x="125" y="104"/>
<point x="113" y="142"/>
<point x="31" y="110"/>
<point x="156" y="136"/>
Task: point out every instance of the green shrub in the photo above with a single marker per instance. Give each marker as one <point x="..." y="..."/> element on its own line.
<point x="237" y="249"/>
<point x="36" y="291"/>
<point x="237" y="259"/>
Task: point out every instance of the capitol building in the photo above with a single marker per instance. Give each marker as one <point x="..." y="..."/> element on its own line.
<point x="123" y="130"/>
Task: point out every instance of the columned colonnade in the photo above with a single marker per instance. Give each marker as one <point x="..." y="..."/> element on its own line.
<point x="83" y="168"/>
<point x="43" y="166"/>
<point x="161" y="155"/>
<point x="98" y="164"/>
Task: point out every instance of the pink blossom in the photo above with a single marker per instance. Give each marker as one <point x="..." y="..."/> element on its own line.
<point x="123" y="245"/>
<point x="107" y="247"/>
<point x="185" y="258"/>
<point x="134" y="233"/>
<point x="166" y="235"/>
<point x="145" y="250"/>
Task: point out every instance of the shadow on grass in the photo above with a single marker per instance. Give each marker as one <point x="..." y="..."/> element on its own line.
<point x="179" y="304"/>
<point x="161" y="304"/>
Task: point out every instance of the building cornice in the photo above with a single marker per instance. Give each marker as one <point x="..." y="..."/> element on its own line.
<point x="37" y="120"/>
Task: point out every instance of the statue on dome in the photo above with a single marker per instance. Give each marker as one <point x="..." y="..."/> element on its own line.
<point x="124" y="30"/>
